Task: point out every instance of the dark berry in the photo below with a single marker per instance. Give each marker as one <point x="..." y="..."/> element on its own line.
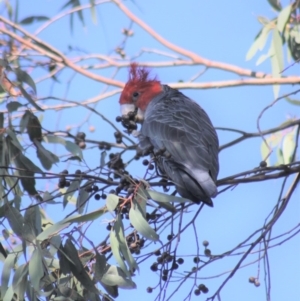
<point x="207" y="252"/>
<point x="118" y="119"/>
<point x="164" y="278"/>
<point x="151" y="167"/>
<point x="197" y="292"/>
<point x="196" y="259"/>
<point x="97" y="197"/>
<point x="263" y="164"/>
<point x="175" y="266"/>
<point x="145" y="162"/>
<point x="108" y="227"/>
<point x="159" y="260"/>
<point x="117" y="134"/>
<point x="82" y="144"/>
<point x="180" y="260"/>
<point x="205" y="243"/>
<point x="103" y="196"/>
<point x="170" y="236"/>
<point x="149" y="290"/>
<point x="81" y="135"/>
<point x="154" y="267"/>
<point x="157" y="253"/>
<point x="165" y="272"/>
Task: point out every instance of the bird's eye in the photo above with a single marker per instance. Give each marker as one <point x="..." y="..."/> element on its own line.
<point x="135" y="96"/>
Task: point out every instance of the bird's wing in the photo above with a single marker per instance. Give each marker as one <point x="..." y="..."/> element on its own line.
<point x="176" y="123"/>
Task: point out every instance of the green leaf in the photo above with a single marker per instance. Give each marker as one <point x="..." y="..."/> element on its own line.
<point x="29" y="98"/>
<point x="116" y="276"/>
<point x="24" y="121"/>
<point x="9" y="294"/>
<point x="13" y="106"/>
<point x="115" y="248"/>
<point x="29" y="20"/>
<point x="293" y="101"/>
<point x="102" y="159"/>
<point x="70" y="146"/>
<point x="77" y="268"/>
<point x="112" y="201"/>
<point x="93" y="11"/>
<point x="14" y="138"/>
<point x="36" y="270"/>
<point x="277" y="59"/>
<point x="6" y="270"/>
<point x="46" y="157"/>
<point x="275" y="4"/>
<point x="85" y="218"/>
<point x="264" y="149"/>
<point x="18" y="283"/>
<point x="51" y="230"/>
<point x="165" y="198"/>
<point x="101" y="267"/>
<point x="258" y="43"/>
<point x="283" y="17"/>
<point x="278" y="52"/>
<point x="280" y="159"/>
<point x="24" y="77"/>
<point x="29" y="164"/>
<point x="140" y="223"/>
<point x="83" y="196"/>
<point x="74" y="186"/>
<point x="15" y="219"/>
<point x="288" y="147"/>
<point x="1" y="120"/>
<point x="263" y="57"/>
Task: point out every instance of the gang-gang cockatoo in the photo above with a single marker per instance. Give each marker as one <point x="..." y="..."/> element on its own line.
<point x="178" y="131"/>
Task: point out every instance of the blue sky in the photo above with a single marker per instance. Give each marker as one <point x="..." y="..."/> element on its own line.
<point x="219" y="31"/>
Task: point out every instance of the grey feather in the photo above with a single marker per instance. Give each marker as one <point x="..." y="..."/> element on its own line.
<point x="177" y="124"/>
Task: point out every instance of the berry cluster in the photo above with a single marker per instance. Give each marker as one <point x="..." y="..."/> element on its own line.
<point x="128" y="121"/>
<point x="80" y="140"/>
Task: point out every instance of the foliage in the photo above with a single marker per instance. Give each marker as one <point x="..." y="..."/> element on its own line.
<point x="58" y="260"/>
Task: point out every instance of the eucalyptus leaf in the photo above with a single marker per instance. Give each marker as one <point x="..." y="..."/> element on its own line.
<point x="53" y="229"/>
<point x="70" y="146"/>
<point x="112" y="202"/>
<point x="46" y="157"/>
<point x="29" y="98"/>
<point x="165" y="198"/>
<point x="83" y="196"/>
<point x="102" y="159"/>
<point x="36" y="270"/>
<point x="116" y="276"/>
<point x="24" y="77"/>
<point x="31" y="19"/>
<point x="14" y="138"/>
<point x="15" y="219"/>
<point x="18" y="279"/>
<point x="74" y="186"/>
<point x="283" y="17"/>
<point x="140" y="223"/>
<point x="13" y="106"/>
<point x="288" y="147"/>
<point x="6" y="271"/>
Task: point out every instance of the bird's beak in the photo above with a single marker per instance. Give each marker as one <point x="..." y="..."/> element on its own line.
<point x="140" y="115"/>
<point x="126" y="108"/>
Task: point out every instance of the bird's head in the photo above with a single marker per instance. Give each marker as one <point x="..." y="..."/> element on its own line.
<point x="138" y="91"/>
